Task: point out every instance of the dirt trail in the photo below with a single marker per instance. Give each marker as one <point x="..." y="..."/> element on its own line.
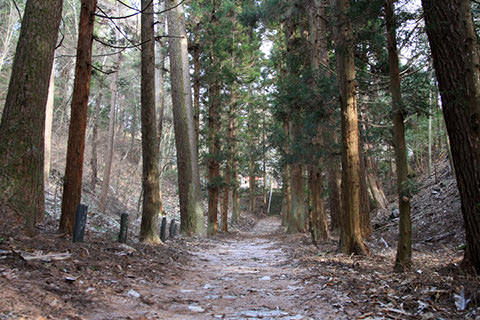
<point x="245" y="277"/>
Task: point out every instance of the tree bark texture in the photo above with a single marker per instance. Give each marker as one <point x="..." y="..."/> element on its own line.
<point x="160" y="91"/>
<point x="319" y="60"/>
<point x="297" y="206"/>
<point x="318" y="222"/>
<point x="364" y="198"/>
<point x="160" y="76"/>
<point x="334" y="197"/>
<point x="235" y="182"/>
<point x="23" y="119"/>
<point x="72" y="190"/>
<point x="187" y="159"/>
<point x="351" y="236"/>
<point x="213" y="150"/>
<point x="286" y="179"/>
<point x="403" y="259"/>
<point x="297" y="214"/>
<point x="196" y="90"/>
<point x="228" y="169"/>
<point x="150" y="149"/>
<point x="454" y="47"/>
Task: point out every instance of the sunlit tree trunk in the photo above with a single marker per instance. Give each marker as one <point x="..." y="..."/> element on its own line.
<point x="48" y="125"/>
<point x="455" y="53"/>
<point x="150" y="148"/>
<point x="187" y="160"/>
<point x="319" y="60"/>
<point x="351" y="236"/>
<point x="23" y="120"/>
<point x="72" y="190"/>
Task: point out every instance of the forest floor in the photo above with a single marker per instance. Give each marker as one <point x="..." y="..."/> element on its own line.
<point x="260" y="274"/>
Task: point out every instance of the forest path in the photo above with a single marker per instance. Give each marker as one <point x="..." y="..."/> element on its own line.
<point x="245" y="276"/>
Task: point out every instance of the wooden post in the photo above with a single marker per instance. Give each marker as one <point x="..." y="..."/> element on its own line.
<point x="163" y="229"/>
<point x="80" y="222"/>
<point x="122" y="237"/>
<point x="172" y="229"/>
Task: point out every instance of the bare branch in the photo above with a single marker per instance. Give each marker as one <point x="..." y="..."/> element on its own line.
<point x="175" y="6"/>
<point x="129" y="7"/>
<point x="18" y="10"/>
<point x="118" y="47"/>
<point x="111" y="71"/>
<point x="105" y="16"/>
<point x="63" y="36"/>
<point x="93" y="56"/>
<point x="120" y="30"/>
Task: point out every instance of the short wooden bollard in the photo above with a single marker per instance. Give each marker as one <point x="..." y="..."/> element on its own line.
<point x="163" y="229"/>
<point x="122" y="237"/>
<point x="80" y="223"/>
<point x="172" y="230"/>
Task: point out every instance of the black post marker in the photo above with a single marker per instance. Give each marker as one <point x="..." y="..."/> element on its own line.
<point x="122" y="237"/>
<point x="171" y="229"/>
<point x="175" y="228"/>
<point x="163" y="229"/>
<point x="80" y="223"/>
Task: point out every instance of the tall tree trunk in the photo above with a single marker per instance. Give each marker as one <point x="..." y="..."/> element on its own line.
<point x="94" y="157"/>
<point x="318" y="222"/>
<point x="334" y="186"/>
<point x="228" y="168"/>
<point x="160" y="91"/>
<point x="454" y="47"/>
<point x="296" y="220"/>
<point x="235" y="183"/>
<point x="252" y="192"/>
<point x="111" y="137"/>
<point x="48" y="125"/>
<point x="364" y="198"/>
<point x="319" y="60"/>
<point x="213" y="150"/>
<point x="213" y="131"/>
<point x="403" y="260"/>
<point x="297" y="204"/>
<point x="286" y="179"/>
<point x="196" y="90"/>
<point x="187" y="160"/>
<point x="23" y="120"/>
<point x="72" y="190"/>
<point x="351" y="236"/>
<point x="150" y="148"/>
